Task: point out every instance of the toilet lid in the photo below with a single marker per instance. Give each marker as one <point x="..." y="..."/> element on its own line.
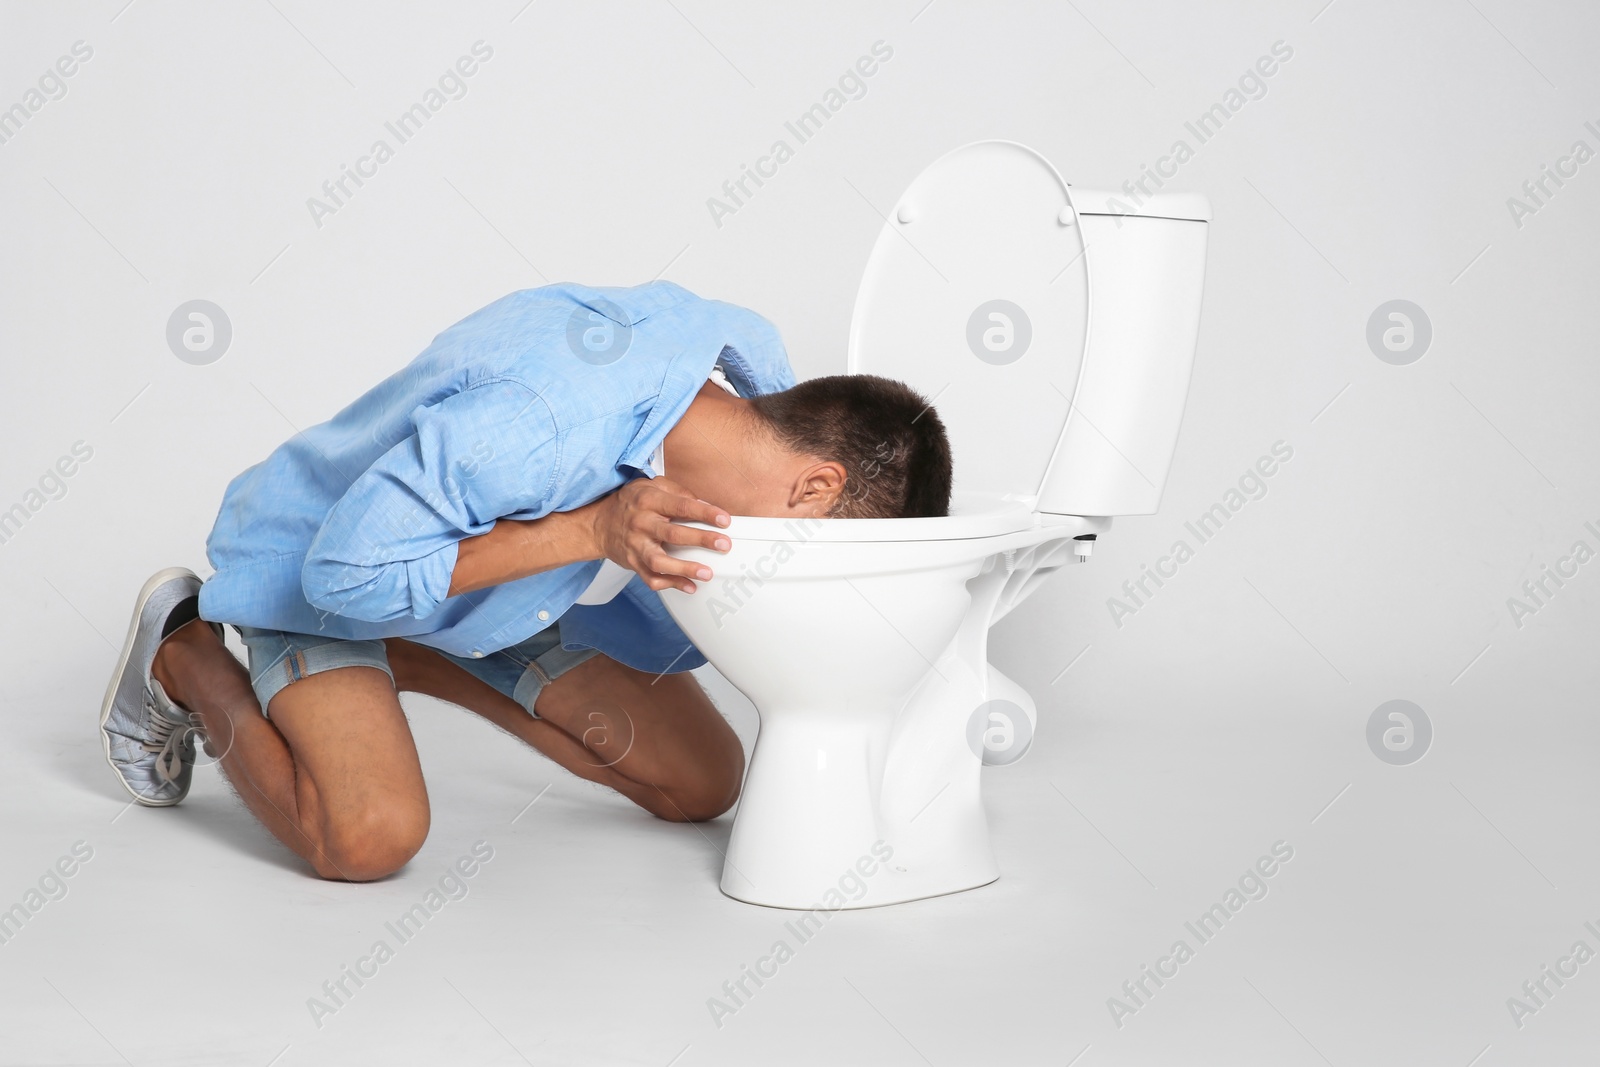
<point x="977" y="295"/>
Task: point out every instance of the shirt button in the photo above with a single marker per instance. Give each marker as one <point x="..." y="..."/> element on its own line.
<point x="544" y="616"/>
<point x="477" y="655"/>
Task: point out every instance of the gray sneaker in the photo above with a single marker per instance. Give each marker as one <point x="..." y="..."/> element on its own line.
<point x="149" y="740"/>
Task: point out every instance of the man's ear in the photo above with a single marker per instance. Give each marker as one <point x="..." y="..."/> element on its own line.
<point x="818" y="488"/>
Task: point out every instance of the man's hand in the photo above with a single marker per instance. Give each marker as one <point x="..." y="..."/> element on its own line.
<point x="633" y="525"/>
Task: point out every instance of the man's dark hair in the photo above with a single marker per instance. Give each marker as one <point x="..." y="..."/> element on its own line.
<point x="892" y="443"/>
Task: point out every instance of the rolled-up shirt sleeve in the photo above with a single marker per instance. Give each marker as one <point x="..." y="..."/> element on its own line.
<point x="387" y="549"/>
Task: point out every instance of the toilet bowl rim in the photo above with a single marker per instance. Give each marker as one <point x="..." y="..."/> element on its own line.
<point x="1019" y="523"/>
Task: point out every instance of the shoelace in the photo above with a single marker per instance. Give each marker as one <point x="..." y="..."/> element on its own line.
<point x="167" y="737"/>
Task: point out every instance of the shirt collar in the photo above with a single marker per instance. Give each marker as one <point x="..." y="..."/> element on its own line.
<point x="751" y="354"/>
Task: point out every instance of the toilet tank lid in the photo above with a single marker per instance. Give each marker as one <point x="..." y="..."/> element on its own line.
<point x="1194" y="207"/>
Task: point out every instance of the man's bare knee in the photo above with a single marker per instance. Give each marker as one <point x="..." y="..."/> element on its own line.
<point x="704" y="799"/>
<point x="374" y="842"/>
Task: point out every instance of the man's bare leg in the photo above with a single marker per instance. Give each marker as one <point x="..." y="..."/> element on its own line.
<point x="334" y="774"/>
<point x="659" y="741"/>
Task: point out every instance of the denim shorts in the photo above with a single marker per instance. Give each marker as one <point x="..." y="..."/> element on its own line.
<point x="279" y="658"/>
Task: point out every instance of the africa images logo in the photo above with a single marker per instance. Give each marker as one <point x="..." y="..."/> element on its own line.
<point x="999" y="332"/>
<point x="599" y="333"/>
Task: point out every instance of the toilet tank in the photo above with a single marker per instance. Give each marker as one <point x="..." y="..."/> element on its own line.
<point x="1146" y="270"/>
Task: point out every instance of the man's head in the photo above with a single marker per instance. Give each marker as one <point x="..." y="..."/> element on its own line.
<point x="845" y="446"/>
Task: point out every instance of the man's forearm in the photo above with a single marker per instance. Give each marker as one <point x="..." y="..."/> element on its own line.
<point x="516" y="549"/>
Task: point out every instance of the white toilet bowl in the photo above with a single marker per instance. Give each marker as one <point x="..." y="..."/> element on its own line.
<point x="1054" y="329"/>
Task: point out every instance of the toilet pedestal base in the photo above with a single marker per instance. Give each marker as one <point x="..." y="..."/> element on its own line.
<point x="856" y="807"/>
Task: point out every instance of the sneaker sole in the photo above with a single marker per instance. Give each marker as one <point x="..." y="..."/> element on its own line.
<point x="156" y="581"/>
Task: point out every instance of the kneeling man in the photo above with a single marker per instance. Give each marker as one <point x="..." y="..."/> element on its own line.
<point x="489" y="526"/>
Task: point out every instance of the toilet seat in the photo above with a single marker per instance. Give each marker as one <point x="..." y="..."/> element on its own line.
<point x="972" y="515"/>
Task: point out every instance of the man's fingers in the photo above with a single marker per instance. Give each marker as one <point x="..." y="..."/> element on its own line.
<point x="689" y="509"/>
<point x="658" y="582"/>
<point x="676" y="504"/>
<point x="658" y="562"/>
<point x="671" y="534"/>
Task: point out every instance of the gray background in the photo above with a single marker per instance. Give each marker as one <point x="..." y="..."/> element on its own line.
<point x="1227" y="714"/>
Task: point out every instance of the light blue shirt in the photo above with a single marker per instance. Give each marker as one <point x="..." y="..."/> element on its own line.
<point x="543" y="401"/>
